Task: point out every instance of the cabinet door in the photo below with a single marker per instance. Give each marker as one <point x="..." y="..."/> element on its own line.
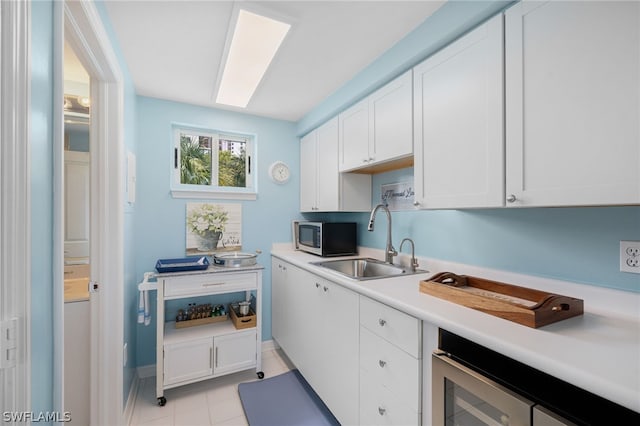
<point x="573" y="103"/>
<point x="327" y="164"/>
<point x="337" y="373"/>
<point x="354" y="136"/>
<point x="458" y="110"/>
<point x="76" y="204"/>
<point x="308" y="173"/>
<point x="391" y="120"/>
<point x="188" y="361"/>
<point x="234" y="352"/>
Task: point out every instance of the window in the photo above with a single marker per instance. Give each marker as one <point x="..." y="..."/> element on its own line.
<point x="212" y="164"/>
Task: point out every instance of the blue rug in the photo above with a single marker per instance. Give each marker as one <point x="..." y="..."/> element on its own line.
<point x="284" y="400"/>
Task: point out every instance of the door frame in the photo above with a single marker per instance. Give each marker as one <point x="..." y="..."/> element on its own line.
<point x="81" y="25"/>
<point x="15" y="202"/>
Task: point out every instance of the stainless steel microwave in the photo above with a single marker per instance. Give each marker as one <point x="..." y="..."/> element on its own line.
<point x="327" y="238"/>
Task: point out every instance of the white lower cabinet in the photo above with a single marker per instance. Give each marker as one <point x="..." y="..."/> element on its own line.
<point x="234" y="352"/>
<point x="316" y="324"/>
<point x="390" y="365"/>
<point x="189" y="360"/>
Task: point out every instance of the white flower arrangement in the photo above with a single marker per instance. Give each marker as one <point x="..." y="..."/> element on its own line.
<point x="207" y="219"/>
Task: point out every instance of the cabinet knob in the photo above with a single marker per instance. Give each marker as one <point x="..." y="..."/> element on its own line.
<point x="382" y="363"/>
<point x="317" y="285"/>
<point x="325" y="288"/>
<point x="511" y="198"/>
<point x="365" y="160"/>
<point x="381" y="411"/>
<point x="416" y="203"/>
<point x="382" y="322"/>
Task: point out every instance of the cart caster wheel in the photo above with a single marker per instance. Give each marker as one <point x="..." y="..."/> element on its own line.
<point x="162" y="401"/>
<point x="260" y="375"/>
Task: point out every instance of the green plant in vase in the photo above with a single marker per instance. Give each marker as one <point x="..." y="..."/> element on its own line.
<point x="207" y="222"/>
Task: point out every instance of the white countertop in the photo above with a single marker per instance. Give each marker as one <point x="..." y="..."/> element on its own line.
<point x="598" y="351"/>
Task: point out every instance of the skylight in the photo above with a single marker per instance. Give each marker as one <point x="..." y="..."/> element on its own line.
<point x="256" y="39"/>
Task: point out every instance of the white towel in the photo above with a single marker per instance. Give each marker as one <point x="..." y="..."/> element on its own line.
<point x="147" y="315"/>
<point x="141" y="306"/>
<point x="144" y="313"/>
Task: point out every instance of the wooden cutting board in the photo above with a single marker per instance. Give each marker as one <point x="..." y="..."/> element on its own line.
<point x="526" y="306"/>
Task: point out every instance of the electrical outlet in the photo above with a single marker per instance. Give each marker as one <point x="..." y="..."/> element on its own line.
<point x="630" y="256"/>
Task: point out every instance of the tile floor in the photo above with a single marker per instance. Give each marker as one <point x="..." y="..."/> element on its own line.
<point x="211" y="402"/>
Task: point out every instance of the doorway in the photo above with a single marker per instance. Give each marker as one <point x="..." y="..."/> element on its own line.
<point x="77" y="234"/>
<point x="97" y="245"/>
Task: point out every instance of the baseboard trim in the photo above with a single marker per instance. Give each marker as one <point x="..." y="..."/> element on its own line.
<point x="149" y="370"/>
<point x="127" y="416"/>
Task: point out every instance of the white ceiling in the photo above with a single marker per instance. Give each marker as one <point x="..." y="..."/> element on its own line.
<point x="173" y="48"/>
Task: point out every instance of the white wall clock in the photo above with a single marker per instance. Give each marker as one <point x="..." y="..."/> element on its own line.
<point x="279" y="172"/>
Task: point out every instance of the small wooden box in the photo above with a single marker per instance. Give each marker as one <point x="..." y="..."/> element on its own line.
<point x="246" y="321"/>
<point x="201" y="321"/>
<point x="526" y="306"/>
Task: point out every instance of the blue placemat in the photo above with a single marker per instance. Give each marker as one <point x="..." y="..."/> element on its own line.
<point x="284" y="400"/>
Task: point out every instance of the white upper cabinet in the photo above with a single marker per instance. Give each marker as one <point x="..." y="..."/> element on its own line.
<point x="378" y="129"/>
<point x="76" y="204"/>
<point x="572" y="103"/>
<point x="354" y="136"/>
<point x="458" y="122"/>
<point x="322" y="186"/>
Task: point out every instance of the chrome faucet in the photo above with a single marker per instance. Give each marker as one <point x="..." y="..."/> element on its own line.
<point x="414" y="261"/>
<point x="389" y="250"/>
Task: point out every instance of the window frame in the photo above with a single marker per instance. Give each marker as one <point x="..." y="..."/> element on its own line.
<point x="182" y="190"/>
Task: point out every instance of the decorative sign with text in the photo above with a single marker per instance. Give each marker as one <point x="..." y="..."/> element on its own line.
<point x="398" y="196"/>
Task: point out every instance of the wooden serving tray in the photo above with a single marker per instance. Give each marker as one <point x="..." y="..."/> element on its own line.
<point x="201" y="321"/>
<point x="526" y="306"/>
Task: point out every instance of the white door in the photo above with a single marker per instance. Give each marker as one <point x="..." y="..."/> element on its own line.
<point x="76" y="203"/>
<point x="338" y="375"/>
<point x="327" y="165"/>
<point x="572" y="103"/>
<point x="391" y="120"/>
<point x="79" y="24"/>
<point x="234" y="352"/>
<point x="189" y="360"/>
<point x="308" y="173"/>
<point x="354" y="136"/>
<point x="459" y="136"/>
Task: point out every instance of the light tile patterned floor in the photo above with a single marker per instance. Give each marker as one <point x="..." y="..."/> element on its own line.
<point x="211" y="402"/>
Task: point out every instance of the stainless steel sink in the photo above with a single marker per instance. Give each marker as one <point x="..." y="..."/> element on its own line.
<point x="364" y="268"/>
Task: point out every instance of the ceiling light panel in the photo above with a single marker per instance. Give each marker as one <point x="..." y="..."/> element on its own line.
<point x="256" y="39"/>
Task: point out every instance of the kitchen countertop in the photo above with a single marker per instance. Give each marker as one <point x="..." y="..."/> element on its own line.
<point x="598" y="351"/>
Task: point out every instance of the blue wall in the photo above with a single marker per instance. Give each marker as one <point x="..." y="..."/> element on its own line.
<point x="41" y="206"/>
<point x="578" y="244"/>
<point x="160" y="219"/>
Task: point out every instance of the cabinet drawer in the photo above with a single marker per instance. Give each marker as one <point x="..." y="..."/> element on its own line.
<point x="176" y="287"/>
<point x="392" y="325"/>
<point x="72" y="272"/>
<point x="391" y="367"/>
<point x="379" y="406"/>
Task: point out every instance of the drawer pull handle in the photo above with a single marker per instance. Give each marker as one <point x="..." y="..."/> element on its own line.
<point x="382" y="363"/>
<point x="382" y="411"/>
<point x="382" y="322"/>
<point x="212" y="284"/>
